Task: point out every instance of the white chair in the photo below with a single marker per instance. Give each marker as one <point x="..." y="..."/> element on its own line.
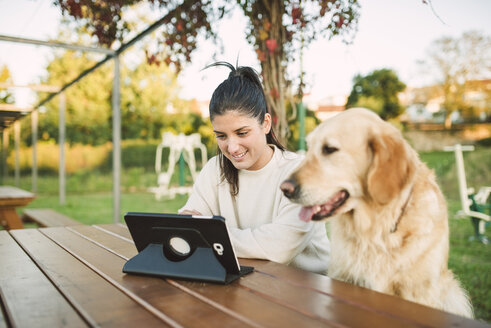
<point x="473" y="204"/>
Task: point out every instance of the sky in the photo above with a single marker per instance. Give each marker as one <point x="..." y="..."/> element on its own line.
<point x="391" y="34"/>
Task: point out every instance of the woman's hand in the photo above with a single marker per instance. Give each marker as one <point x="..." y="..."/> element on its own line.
<point x="190" y="212"/>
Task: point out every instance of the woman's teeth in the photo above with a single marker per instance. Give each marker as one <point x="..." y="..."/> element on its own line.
<point x="238" y="156"/>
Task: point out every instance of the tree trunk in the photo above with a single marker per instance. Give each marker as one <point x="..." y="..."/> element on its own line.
<point x="448" y="121"/>
<point x="271" y="53"/>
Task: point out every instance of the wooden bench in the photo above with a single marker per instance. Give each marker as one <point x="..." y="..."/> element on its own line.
<point x="46" y="217"/>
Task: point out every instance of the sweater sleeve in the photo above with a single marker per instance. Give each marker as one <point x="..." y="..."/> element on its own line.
<point x="279" y="241"/>
<point x="204" y="195"/>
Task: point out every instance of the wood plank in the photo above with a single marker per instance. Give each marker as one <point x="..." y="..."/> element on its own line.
<point x="96" y="299"/>
<point x="107" y="239"/>
<point x="10" y="198"/>
<point x="154" y="293"/>
<point x="313" y="300"/>
<point x="263" y="310"/>
<point x="28" y="297"/>
<point x="324" y="308"/>
<point x="3" y="323"/>
<point x="216" y="294"/>
<point x="378" y="302"/>
<point x="236" y="301"/>
<point x="10" y="219"/>
<point x="3" y="320"/>
<point x="8" y="193"/>
<point x="46" y="217"/>
<point x="119" y="229"/>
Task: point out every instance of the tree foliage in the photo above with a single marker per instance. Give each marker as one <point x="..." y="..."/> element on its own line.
<point x="454" y="62"/>
<point x="377" y="91"/>
<point x="6" y="97"/>
<point x="149" y="93"/>
<point x="276" y="29"/>
<point x="88" y="106"/>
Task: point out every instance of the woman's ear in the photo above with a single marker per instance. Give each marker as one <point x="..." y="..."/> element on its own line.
<point x="267" y="123"/>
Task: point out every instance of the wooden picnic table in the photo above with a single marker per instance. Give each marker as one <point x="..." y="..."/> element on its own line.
<point x="10" y="199"/>
<point x="72" y="276"/>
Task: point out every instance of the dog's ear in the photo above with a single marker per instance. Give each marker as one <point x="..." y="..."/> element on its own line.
<point x="392" y="167"/>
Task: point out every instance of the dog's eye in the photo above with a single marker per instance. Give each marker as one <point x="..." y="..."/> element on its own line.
<point x="326" y="150"/>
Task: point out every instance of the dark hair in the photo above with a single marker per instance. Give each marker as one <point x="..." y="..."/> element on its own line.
<point x="241" y="92"/>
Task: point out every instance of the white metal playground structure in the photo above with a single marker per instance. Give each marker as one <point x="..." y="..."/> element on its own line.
<point x="474" y="205"/>
<point x="181" y="149"/>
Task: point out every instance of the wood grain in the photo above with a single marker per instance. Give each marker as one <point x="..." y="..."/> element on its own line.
<point x="28" y="297"/>
<point x="153" y="293"/>
<point x="362" y="297"/>
<point x="46" y="217"/>
<point x="93" y="297"/>
<point x="72" y="276"/>
<point x="250" y="301"/>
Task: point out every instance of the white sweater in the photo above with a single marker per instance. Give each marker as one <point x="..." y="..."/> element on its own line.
<point x="262" y="222"/>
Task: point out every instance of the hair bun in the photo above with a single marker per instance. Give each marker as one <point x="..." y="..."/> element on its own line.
<point x="242" y="71"/>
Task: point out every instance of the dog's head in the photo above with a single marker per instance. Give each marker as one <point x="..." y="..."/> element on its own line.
<point x="352" y="157"/>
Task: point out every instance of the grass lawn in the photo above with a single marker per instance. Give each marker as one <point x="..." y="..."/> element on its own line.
<point x="89" y="200"/>
<point x="470" y="261"/>
<point x="94" y="208"/>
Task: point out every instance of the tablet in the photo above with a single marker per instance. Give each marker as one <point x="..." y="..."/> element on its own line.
<point x="185" y="241"/>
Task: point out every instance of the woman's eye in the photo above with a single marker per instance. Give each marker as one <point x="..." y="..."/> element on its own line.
<point x="220" y="136"/>
<point x="242" y="134"/>
<point x="326" y="150"/>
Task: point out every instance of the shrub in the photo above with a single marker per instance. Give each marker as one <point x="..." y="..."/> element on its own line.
<point x="77" y="157"/>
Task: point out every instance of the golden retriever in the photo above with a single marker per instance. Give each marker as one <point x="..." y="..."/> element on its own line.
<point x="389" y="225"/>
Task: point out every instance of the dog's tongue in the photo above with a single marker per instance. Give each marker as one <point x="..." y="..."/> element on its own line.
<point x="306" y="213"/>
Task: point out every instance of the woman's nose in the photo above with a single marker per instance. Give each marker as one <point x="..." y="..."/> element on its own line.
<point x="232" y="145"/>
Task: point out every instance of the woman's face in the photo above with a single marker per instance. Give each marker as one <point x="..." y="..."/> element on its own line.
<point x="242" y="139"/>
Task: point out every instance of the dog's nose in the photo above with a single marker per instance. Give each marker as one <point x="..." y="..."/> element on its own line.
<point x="290" y="188"/>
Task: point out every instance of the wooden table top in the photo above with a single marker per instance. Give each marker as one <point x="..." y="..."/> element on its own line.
<point x="12" y="196"/>
<point x="72" y="276"/>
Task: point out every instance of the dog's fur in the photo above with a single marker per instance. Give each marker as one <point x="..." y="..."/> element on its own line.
<point x="391" y="232"/>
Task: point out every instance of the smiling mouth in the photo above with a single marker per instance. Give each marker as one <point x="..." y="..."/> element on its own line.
<point x="322" y="211"/>
<point x="239" y="156"/>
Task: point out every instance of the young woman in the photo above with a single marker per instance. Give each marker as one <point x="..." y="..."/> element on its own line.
<point x="242" y="182"/>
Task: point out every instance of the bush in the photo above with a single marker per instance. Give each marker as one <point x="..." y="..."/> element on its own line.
<point x="135" y="153"/>
<point x="79" y="158"/>
<point x="486" y="142"/>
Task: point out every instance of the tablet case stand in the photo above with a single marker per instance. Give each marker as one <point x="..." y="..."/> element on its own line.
<point x="158" y="259"/>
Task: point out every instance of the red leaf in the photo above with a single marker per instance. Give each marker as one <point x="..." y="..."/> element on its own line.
<point x="74" y="8"/>
<point x="261" y="55"/>
<point x="152" y="59"/>
<point x="271" y="44"/>
<point x="296" y="14"/>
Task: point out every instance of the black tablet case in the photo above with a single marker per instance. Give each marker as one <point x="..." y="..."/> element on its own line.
<point x="152" y="233"/>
